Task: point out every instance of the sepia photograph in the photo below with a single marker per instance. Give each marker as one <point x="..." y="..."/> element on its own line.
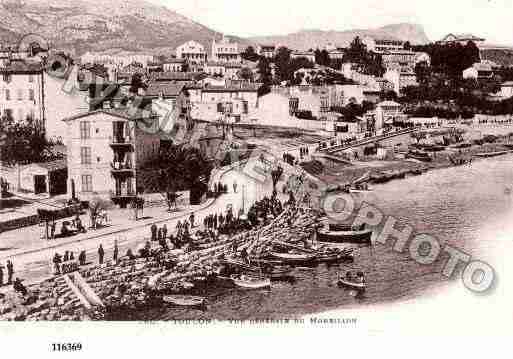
<point x="288" y="164"/>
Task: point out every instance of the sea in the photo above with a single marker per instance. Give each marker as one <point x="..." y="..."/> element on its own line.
<point x="467" y="207"/>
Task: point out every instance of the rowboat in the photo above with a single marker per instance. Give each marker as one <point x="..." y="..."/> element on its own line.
<point x="247" y="282"/>
<point x="354" y="190"/>
<point x="335" y="257"/>
<point x="352" y="285"/>
<point x="293" y="258"/>
<point x="184" y="300"/>
<point x="341" y="234"/>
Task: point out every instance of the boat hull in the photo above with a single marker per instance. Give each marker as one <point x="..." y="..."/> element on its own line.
<point x="252" y="284"/>
<point x="184" y="300"/>
<point x="351" y="285"/>
<point x="355" y="237"/>
<point x="293" y="259"/>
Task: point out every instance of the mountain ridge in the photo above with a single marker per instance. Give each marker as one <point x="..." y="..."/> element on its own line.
<point x="79" y="26"/>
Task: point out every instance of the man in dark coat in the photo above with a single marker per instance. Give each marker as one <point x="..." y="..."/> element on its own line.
<point x="10" y="271"/>
<point x="153" y="229"/>
<point x="101" y="253"/>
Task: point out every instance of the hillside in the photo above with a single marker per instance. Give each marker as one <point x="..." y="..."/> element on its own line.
<point x="97" y="25"/>
<point x="307" y="39"/>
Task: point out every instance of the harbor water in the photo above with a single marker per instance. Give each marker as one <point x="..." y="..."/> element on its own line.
<point x="468" y="207"/>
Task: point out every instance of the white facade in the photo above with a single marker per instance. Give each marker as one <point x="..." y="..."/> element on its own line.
<point x="192" y="51"/>
<point x="225" y="51"/>
<point x="382" y="45"/>
<point x="22" y="93"/>
<point x="507" y="89"/>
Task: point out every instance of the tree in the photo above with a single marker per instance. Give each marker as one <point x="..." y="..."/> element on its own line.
<point x="136" y="83"/>
<point x="24" y="141"/>
<point x="249" y="54"/>
<point x="246" y="74"/>
<point x="423" y="72"/>
<point x="282" y="63"/>
<point x="178" y="168"/>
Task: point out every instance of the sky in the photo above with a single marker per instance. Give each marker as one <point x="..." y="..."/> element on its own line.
<point x="490" y="19"/>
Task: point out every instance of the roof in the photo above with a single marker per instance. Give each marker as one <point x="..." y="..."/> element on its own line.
<point x="24" y="67"/>
<point x="480" y="66"/>
<point x="165" y="89"/>
<point x="176" y="76"/>
<point x="55" y="165"/>
<point x="389" y="104"/>
<point x="233" y="88"/>
<point x="126" y="113"/>
<point x="174" y="61"/>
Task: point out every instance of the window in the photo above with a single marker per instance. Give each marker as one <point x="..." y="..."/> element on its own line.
<point x="8" y="112"/>
<point x="31" y="95"/>
<point x="85" y="130"/>
<point x="7" y="78"/>
<point x="85" y="155"/>
<point x="7" y="95"/>
<point x="87" y="183"/>
<point x="31" y="78"/>
<point x="20" y="94"/>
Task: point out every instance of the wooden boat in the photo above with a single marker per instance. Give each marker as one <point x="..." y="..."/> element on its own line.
<point x="355" y="190"/>
<point x="248" y="282"/>
<point x="419" y="155"/>
<point x="351" y="285"/>
<point x="491" y="154"/>
<point x="335" y="257"/>
<point x="344" y="234"/>
<point x="184" y="300"/>
<point x="293" y="258"/>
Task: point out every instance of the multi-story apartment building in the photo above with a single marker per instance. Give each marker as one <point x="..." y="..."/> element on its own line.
<point x="105" y="151"/>
<point x="401" y="60"/>
<point x="174" y="65"/>
<point x="234" y="102"/>
<point x="22" y="91"/>
<point x="225" y="51"/>
<point x="192" y="51"/>
<point x="379" y="45"/>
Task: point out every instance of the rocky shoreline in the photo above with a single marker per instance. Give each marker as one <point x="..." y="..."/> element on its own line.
<point x="137" y="283"/>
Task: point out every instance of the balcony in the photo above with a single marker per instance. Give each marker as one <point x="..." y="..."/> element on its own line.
<point x="122" y="169"/>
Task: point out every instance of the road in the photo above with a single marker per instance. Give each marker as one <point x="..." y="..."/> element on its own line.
<point x="34" y="266"/>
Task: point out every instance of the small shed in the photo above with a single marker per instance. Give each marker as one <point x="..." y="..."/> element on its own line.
<point x="45" y="177"/>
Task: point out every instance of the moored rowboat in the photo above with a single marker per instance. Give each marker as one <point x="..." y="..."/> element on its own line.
<point x="184" y="300"/>
<point x="352" y="285"/>
<point x="293" y="258"/>
<point x="247" y="282"/>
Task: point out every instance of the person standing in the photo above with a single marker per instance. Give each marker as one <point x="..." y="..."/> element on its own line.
<point x="10" y="271"/>
<point x="164" y="231"/>
<point x="82" y="258"/>
<point x="116" y="251"/>
<point x="191" y="219"/>
<point x="1" y="275"/>
<point x="101" y="253"/>
<point x="153" y="229"/>
<point x="57" y="263"/>
<point x="234" y="187"/>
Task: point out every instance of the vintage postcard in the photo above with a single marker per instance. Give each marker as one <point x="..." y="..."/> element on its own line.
<point x="227" y="167"/>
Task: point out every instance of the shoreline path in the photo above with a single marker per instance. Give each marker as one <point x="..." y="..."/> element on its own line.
<point x="31" y="261"/>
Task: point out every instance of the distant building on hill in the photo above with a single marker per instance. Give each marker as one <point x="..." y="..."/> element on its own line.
<point x="192" y="51"/>
<point x="309" y="55"/>
<point x="462" y="39"/>
<point x="267" y="51"/>
<point x="225" y="51"/>
<point x="381" y="45"/>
